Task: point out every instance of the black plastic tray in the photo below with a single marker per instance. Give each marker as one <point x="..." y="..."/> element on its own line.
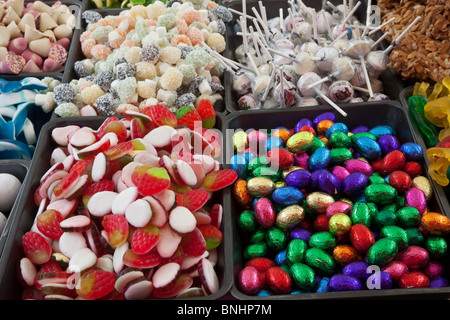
<point x="392" y="84"/>
<point x="369" y="114"/>
<point x="75" y="40"/>
<point x="19" y="169"/>
<point x="26" y="211"/>
<point x="78" y="55"/>
<point x="444" y="191"/>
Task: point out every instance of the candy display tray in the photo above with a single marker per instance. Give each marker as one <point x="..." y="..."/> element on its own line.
<point x="444" y="191"/>
<point x="19" y="169"/>
<point x="37" y="116"/>
<point x="70" y="73"/>
<point x="392" y="84"/>
<point x="369" y="114"/>
<point x="73" y="43"/>
<point x="26" y="212"/>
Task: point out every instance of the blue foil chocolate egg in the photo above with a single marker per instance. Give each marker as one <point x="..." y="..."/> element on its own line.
<point x="303" y="122"/>
<point x="342" y="282"/>
<point x="239" y="164"/>
<point x="412" y="151"/>
<point x="338" y="126"/>
<point x="323" y="285"/>
<point x="368" y="148"/>
<point x="324" y="116"/>
<point x="286" y="196"/>
<point x="354" y="183"/>
<point x="381" y="130"/>
<point x="280" y="258"/>
<point x="274" y="142"/>
<point x="388" y="143"/>
<point x="320" y="159"/>
<point x="300" y="178"/>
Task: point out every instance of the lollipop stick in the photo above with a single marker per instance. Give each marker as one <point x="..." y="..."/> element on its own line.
<point x="260" y="20"/>
<point x="366" y="75"/>
<point x="282" y="87"/>
<point x="255" y="43"/>
<point x="324" y="79"/>
<point x="334" y="105"/>
<point x="269" y="86"/>
<point x="263" y="12"/>
<point x="253" y="64"/>
<point x="381" y="26"/>
<point x="376" y="43"/>
<point x="264" y="48"/>
<point x="283" y="55"/>
<point x="352" y="12"/>
<point x="327" y="24"/>
<point x="369" y="9"/>
<point x="345" y="7"/>
<point x="332" y="6"/>
<point x="395" y="42"/>
<point x="241" y="14"/>
<point x="281" y="20"/>
<point x="342" y="35"/>
<point x="259" y="31"/>
<point x="314" y="23"/>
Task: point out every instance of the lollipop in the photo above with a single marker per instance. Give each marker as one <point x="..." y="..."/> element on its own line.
<point x="342" y="68"/>
<point x="357" y="48"/>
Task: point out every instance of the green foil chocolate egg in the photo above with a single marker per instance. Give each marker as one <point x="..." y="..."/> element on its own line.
<point x="361" y="213"/>
<point x="247" y="221"/>
<point x="408" y="217"/>
<point x="295" y="251"/>
<point x="276" y="238"/>
<point x="376" y="178"/>
<point x="397" y="234"/>
<point x="290" y="216"/>
<point x="436" y="246"/>
<point x="256" y="250"/>
<point x="415" y="237"/>
<point x="320" y="261"/>
<point x="339" y="139"/>
<point x="323" y="240"/>
<point x="383" y="251"/>
<point x="303" y="275"/>
<point x="380" y="193"/>
<point x="340" y="155"/>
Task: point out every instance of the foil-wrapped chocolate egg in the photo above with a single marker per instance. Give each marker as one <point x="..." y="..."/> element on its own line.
<point x="354" y="183"/>
<point x="357" y="269"/>
<point x="344" y="254"/>
<point x="339" y="224"/>
<point x="412" y="151"/>
<point x="396" y="233"/>
<point x="380" y="193"/>
<point x="330" y="116"/>
<point x="323" y="240"/>
<point x="299" y="141"/>
<point x="320" y="261"/>
<point x="368" y="148"/>
<point x="416" y="198"/>
<point x="435" y="223"/>
<point x="379" y="280"/>
<point x="290" y="216"/>
<point x="340" y="172"/>
<point x="300" y="233"/>
<point x="326" y="182"/>
<point x="381" y="130"/>
<point x="278" y="280"/>
<point x="320" y="159"/>
<point x="286" y="196"/>
<point x="388" y="143"/>
<point x="414" y="279"/>
<point x="265" y="212"/>
<point x="299" y="179"/>
<point x="342" y="282"/>
<point x="303" y="275"/>
<point x="319" y="201"/>
<point x="260" y="186"/>
<point x="250" y="280"/>
<point x="356" y="165"/>
<point x="301" y="159"/>
<point x="394" y="160"/>
<point x="423" y="184"/>
<point x="382" y="252"/>
<point x="396" y="269"/>
<point x="361" y="237"/>
<point x="241" y="193"/>
<point x="408" y="217"/>
<point x="304" y="122"/>
<point x="339" y="207"/>
<point x="285" y="172"/>
<point x="434" y="268"/>
<point x="338" y="126"/>
<point x="295" y="251"/>
<point x="400" y="180"/>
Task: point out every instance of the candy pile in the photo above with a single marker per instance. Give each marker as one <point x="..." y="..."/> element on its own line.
<point x="18" y="100"/>
<point x="127" y="214"/>
<point x="100" y="4"/>
<point x="35" y="38"/>
<point x="322" y="57"/>
<point x="424" y="53"/>
<point x="145" y="56"/>
<point x="329" y="208"/>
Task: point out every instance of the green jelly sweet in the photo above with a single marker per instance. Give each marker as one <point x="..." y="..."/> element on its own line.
<point x="247" y="221"/>
<point x="361" y="213"/>
<point x="415" y="237"/>
<point x="339" y="139"/>
<point x="380" y="193"/>
<point x="320" y="261"/>
<point x="276" y="238"/>
<point x="408" y="217"/>
<point x="323" y="240"/>
<point x="303" y="275"/>
<point x="436" y="246"/>
<point x="397" y="234"/>
<point x="256" y="250"/>
<point x="383" y="251"/>
<point x="295" y="251"/>
<point x="299" y="141"/>
<point x="340" y="155"/>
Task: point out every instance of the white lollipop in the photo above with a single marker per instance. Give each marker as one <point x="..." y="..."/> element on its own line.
<point x="342" y="68"/>
<point x="357" y="48"/>
<point x="341" y="91"/>
<point x="304" y="63"/>
<point x="325" y="57"/>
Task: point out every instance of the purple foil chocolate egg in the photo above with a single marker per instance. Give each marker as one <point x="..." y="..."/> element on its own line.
<point x="356" y="165"/>
<point x="438" y="282"/>
<point x="300" y="233"/>
<point x="342" y="282"/>
<point x="300" y="178"/>
<point x="327" y="182"/>
<point x="388" y="143"/>
<point x="303" y="122"/>
<point x="434" y="268"/>
<point x="354" y="183"/>
<point x="379" y="280"/>
<point x="324" y="116"/>
<point x="357" y="269"/>
<point x="360" y="129"/>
